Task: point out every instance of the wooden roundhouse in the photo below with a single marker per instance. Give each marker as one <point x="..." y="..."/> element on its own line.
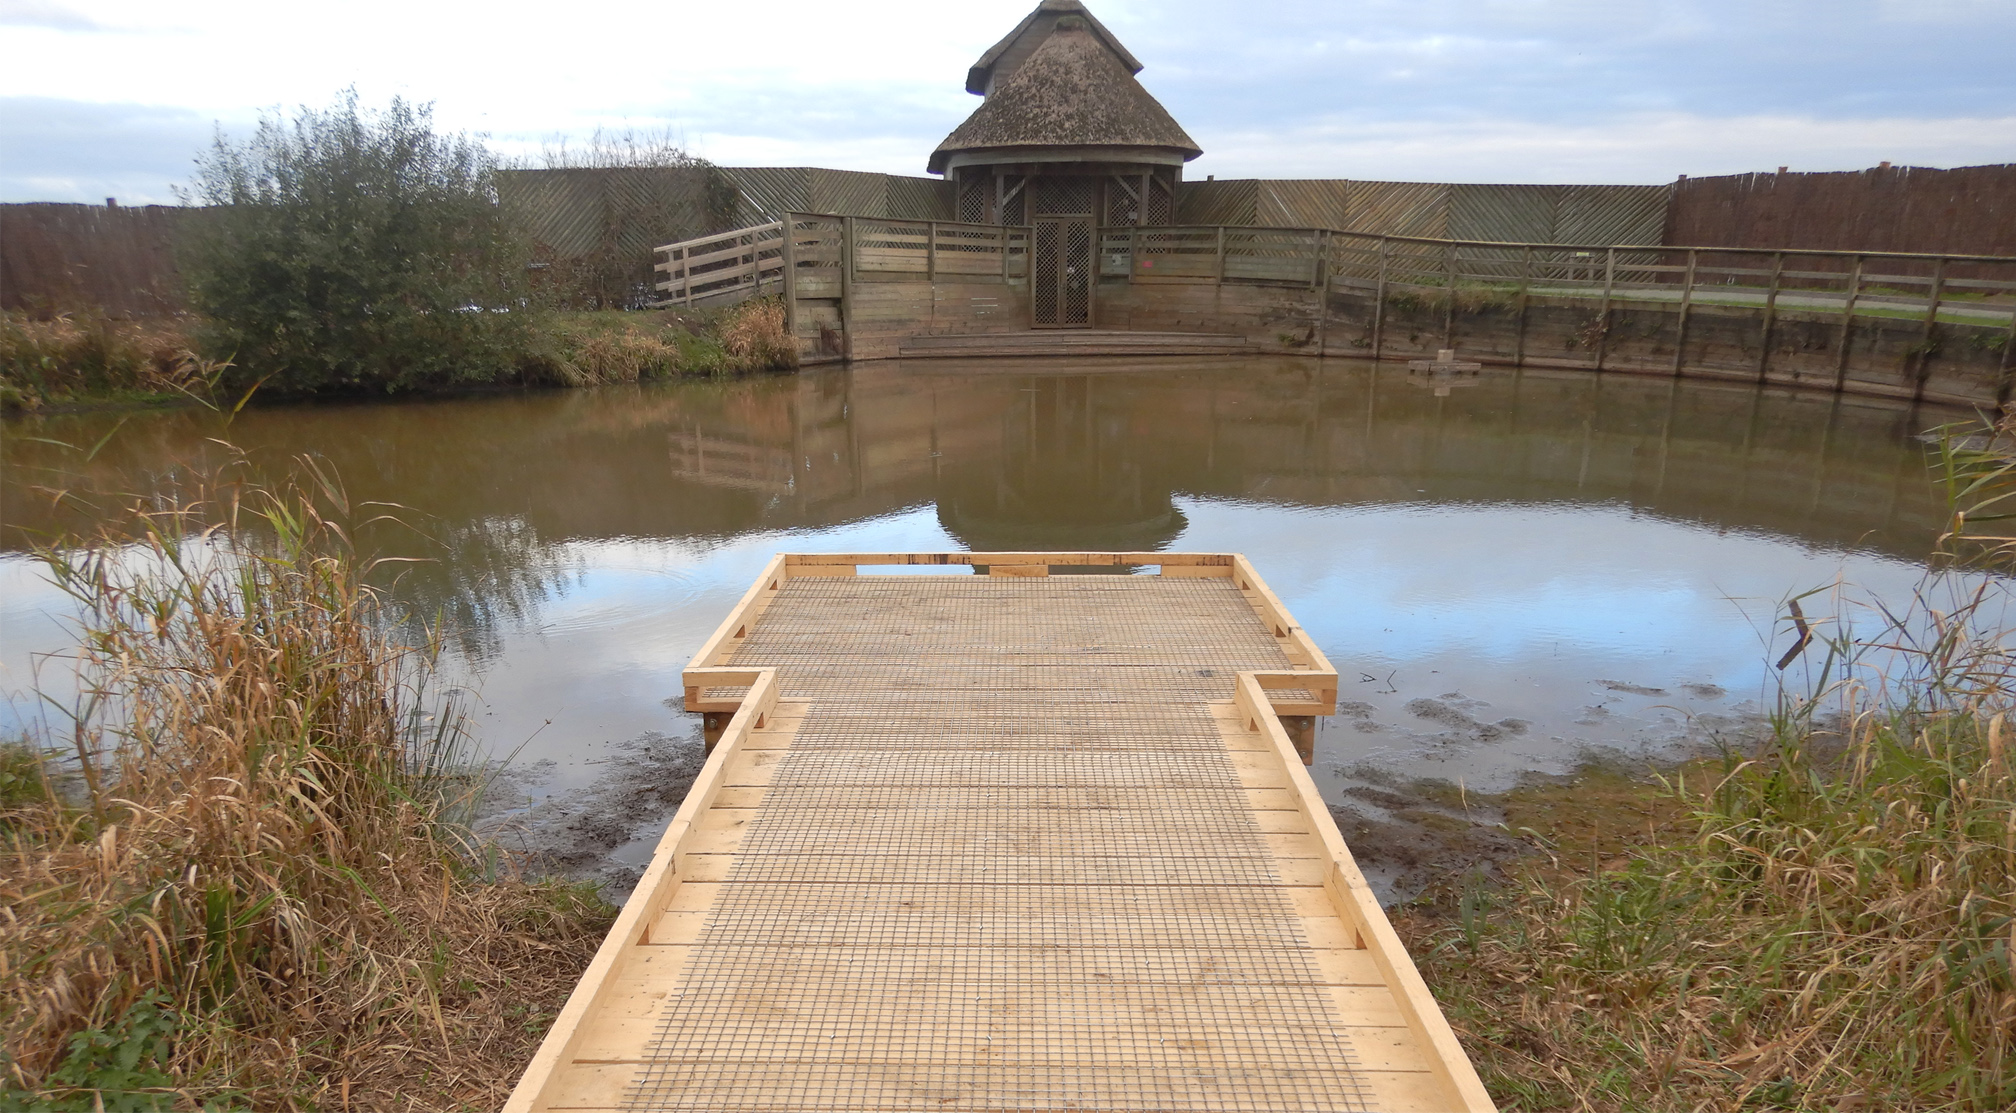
<point x="1067" y="142"/>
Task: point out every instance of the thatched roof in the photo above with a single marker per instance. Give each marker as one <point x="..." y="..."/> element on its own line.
<point x="1037" y="26"/>
<point x="1072" y="92"/>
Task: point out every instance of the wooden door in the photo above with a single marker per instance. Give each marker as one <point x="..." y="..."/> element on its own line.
<point x="1061" y="277"/>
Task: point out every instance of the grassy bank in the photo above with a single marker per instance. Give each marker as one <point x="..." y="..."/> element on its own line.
<point x="245" y="882"/>
<point x="1825" y="926"/>
<point x="1827" y="923"/>
<point x="73" y="360"/>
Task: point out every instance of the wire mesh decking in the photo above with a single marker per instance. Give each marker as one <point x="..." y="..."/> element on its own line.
<point x="999" y="844"/>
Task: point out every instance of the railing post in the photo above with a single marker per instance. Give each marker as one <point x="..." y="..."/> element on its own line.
<point x="1525" y="290"/>
<point x="930" y="251"/>
<point x="1847" y="326"/>
<point x="1770" y="314"/>
<point x="1134" y="246"/>
<point x="847" y="286"/>
<point x="1449" y="295"/>
<point x="1322" y="286"/>
<point x="1379" y="299"/>
<point x="685" y="276"/>
<point x="790" y="283"/>
<point x="1686" y="306"/>
<point x="1603" y="318"/>
<point x="1221" y="255"/>
<point x="1931" y="329"/>
<point x="2008" y="364"/>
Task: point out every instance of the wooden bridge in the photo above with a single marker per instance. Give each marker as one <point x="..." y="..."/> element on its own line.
<point x="1020" y="840"/>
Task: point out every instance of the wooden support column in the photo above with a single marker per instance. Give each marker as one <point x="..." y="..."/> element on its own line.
<point x="1603" y="318"/>
<point x="847" y="286"/>
<point x="1847" y="337"/>
<point x="1379" y="298"/>
<point x="1931" y="334"/>
<point x="1221" y="255"/>
<point x="1134" y="248"/>
<point x="1686" y="307"/>
<point x="790" y="283"/>
<point x="1449" y="295"/>
<point x="686" y="277"/>
<point x="1322" y="285"/>
<point x="1525" y="293"/>
<point x="2002" y="385"/>
<point x="931" y="251"/>
<point x="1770" y="314"/>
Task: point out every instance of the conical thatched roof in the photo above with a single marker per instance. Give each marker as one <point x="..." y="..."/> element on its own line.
<point x="1037" y="25"/>
<point x="1072" y="92"/>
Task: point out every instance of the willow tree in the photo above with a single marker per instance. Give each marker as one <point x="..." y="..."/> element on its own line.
<point x="355" y="250"/>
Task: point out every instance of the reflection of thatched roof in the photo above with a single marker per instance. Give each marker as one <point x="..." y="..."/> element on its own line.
<point x="1040" y="22"/>
<point x="1072" y="92"/>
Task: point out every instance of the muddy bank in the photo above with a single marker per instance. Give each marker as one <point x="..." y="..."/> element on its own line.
<point x="605" y="832"/>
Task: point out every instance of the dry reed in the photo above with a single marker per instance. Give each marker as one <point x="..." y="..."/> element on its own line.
<point x="78" y="356"/>
<point x="1835" y="927"/>
<point x="257" y="892"/>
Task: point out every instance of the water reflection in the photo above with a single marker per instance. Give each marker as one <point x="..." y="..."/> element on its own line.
<point x="1591" y="558"/>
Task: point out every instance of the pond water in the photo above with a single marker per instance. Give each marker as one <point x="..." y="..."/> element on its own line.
<point x="1512" y="573"/>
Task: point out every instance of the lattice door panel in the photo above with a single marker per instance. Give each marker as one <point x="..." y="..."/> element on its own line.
<point x="1077" y="284"/>
<point x="1047" y="270"/>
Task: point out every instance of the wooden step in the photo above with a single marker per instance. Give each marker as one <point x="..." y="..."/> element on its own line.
<point x="1087" y="342"/>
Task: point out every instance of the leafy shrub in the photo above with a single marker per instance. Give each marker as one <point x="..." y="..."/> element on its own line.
<point x="355" y="250"/>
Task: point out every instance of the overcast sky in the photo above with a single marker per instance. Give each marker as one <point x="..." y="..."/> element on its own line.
<point x="115" y="98"/>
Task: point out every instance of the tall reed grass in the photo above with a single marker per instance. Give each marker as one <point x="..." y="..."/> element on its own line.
<point x="90" y="356"/>
<point x="246" y="881"/>
<point x="1832" y="928"/>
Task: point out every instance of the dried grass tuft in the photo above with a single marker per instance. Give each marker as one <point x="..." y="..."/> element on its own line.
<point x="755" y="337"/>
<point x="261" y="868"/>
<point x="74" y="356"/>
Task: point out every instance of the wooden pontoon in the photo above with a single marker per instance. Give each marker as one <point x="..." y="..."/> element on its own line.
<point x="1008" y="841"/>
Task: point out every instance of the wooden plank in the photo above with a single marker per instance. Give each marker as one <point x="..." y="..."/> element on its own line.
<point x="655" y="889"/>
<point x="1357" y="907"/>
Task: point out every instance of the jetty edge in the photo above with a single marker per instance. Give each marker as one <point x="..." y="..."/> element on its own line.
<point x="1012" y="839"/>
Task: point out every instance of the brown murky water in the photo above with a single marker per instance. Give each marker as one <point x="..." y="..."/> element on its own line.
<point x="1511" y="575"/>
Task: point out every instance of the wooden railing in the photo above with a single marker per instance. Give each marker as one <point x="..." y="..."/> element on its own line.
<point x="723" y="263"/>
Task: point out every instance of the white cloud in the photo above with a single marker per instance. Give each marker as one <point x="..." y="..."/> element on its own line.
<point x="1642" y="148"/>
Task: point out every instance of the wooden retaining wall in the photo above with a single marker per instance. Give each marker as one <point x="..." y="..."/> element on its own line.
<point x="1931" y="327"/>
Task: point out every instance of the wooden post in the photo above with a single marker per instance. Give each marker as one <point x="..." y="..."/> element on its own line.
<point x="2008" y="364"/>
<point x="1770" y="314"/>
<point x="1379" y="298"/>
<point x="1134" y="248"/>
<point x="1004" y="254"/>
<point x="1322" y="291"/>
<point x="1847" y="326"/>
<point x="1449" y="295"/>
<point x="1686" y="307"/>
<point x="930" y="251"/>
<point x="1525" y="291"/>
<point x="686" y="278"/>
<point x="790" y="284"/>
<point x="1931" y="329"/>
<point x="847" y="286"/>
<point x="1603" y="318"/>
<point x="1221" y="255"/>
